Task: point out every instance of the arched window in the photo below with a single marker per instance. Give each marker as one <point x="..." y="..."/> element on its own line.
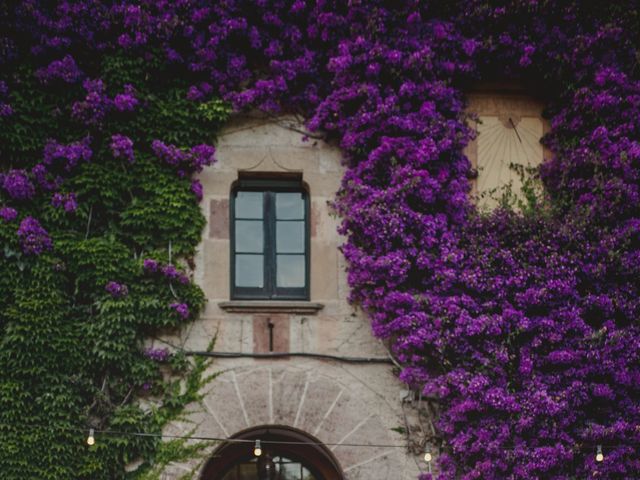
<point x="287" y="454"/>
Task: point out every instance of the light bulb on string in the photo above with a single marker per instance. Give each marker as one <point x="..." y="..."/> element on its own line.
<point x="428" y="457"/>
<point x="91" y="440"/>
<point x="257" y="449"/>
<point x="599" y="455"/>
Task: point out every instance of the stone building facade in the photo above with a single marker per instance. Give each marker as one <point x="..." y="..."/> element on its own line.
<point x="355" y="409"/>
<point x="309" y="369"/>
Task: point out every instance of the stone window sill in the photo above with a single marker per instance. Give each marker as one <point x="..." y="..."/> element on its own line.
<point x="271" y="306"/>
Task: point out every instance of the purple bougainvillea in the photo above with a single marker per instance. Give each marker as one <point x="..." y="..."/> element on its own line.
<point x="8" y="214"/>
<point x="65" y="70"/>
<point x="196" y="188"/>
<point x="67" y="156"/>
<point x="66" y="201"/>
<point x="116" y="290"/>
<point x="182" y="309"/>
<point x="168" y="271"/>
<point x="157" y="354"/>
<point x="523" y="328"/>
<point x="122" y="147"/>
<point x="150" y="265"/>
<point x="126" y="101"/>
<point x="17" y="184"/>
<point x="33" y="237"/>
<point x="185" y="162"/>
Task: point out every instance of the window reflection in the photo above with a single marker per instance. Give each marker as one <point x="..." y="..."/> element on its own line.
<point x="285" y="469"/>
<point x="250" y="270"/>
<point x="290" y="237"/>
<point x="289" y="206"/>
<point x="249" y="204"/>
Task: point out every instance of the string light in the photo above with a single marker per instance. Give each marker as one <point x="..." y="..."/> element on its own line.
<point x="91" y="440"/>
<point x="427" y="458"/>
<point x="117" y="433"/>
<point x="599" y="455"/>
<point x="257" y="449"/>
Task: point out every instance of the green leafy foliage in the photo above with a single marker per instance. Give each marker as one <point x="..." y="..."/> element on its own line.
<point x="72" y="353"/>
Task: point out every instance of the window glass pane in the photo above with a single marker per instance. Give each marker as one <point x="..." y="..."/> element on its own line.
<point x="249" y="236"/>
<point x="289" y="206"/>
<point x="290" y="471"/>
<point x="249" y="271"/>
<point x="249" y="204"/>
<point x="290" y="271"/>
<point x="290" y="237"/>
<point x="248" y="471"/>
<point x="232" y="475"/>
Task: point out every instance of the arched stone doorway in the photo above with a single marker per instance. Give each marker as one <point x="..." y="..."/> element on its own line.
<point x="288" y="454"/>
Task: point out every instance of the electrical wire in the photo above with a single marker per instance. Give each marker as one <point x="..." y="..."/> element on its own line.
<point x="122" y="433"/>
<point x="321" y="356"/>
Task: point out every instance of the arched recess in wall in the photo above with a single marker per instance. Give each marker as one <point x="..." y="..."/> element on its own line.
<point x="292" y="450"/>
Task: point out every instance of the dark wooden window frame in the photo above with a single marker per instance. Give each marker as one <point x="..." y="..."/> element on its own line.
<point x="269" y="291"/>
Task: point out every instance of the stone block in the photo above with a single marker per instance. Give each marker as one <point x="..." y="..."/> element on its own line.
<point x="331" y="161"/>
<point x="289" y="388"/>
<point x="235" y="334"/>
<point x="225" y="404"/>
<point x="324" y="271"/>
<point x="219" y="218"/>
<point x="199" y="334"/>
<point x="387" y="465"/>
<point x="320" y="398"/>
<point x="254" y="387"/>
<point x="370" y="432"/>
<point x="271" y="333"/>
<point x="215" y="269"/>
<point x="345" y="416"/>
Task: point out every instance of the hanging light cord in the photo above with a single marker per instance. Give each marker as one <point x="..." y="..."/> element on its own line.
<point x="322" y="356"/>
<point x="122" y="433"/>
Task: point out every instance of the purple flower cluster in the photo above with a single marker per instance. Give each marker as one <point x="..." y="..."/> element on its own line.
<point x="122" y="147"/>
<point x="199" y="92"/>
<point x="33" y="237"/>
<point x="8" y="214"/>
<point x="196" y="188"/>
<point x="96" y="105"/>
<point x="185" y="161"/>
<point x="157" y="354"/>
<point x="182" y="309"/>
<point x="126" y="101"/>
<point x="17" y="184"/>
<point x="65" y="200"/>
<point x="65" y="69"/>
<point x="168" y="271"/>
<point x="150" y="265"/>
<point x="116" y="290"/>
<point x="66" y="156"/>
<point x="44" y="179"/>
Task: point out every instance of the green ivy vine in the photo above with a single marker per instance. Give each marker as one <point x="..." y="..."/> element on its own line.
<point x="72" y="356"/>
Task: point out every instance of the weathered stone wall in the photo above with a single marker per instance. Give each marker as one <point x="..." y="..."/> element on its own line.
<point x="338" y="403"/>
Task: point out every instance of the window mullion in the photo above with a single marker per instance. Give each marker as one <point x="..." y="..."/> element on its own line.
<point x="270" y="244"/>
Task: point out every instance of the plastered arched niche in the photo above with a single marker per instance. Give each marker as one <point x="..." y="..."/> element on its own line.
<point x="337" y="413"/>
